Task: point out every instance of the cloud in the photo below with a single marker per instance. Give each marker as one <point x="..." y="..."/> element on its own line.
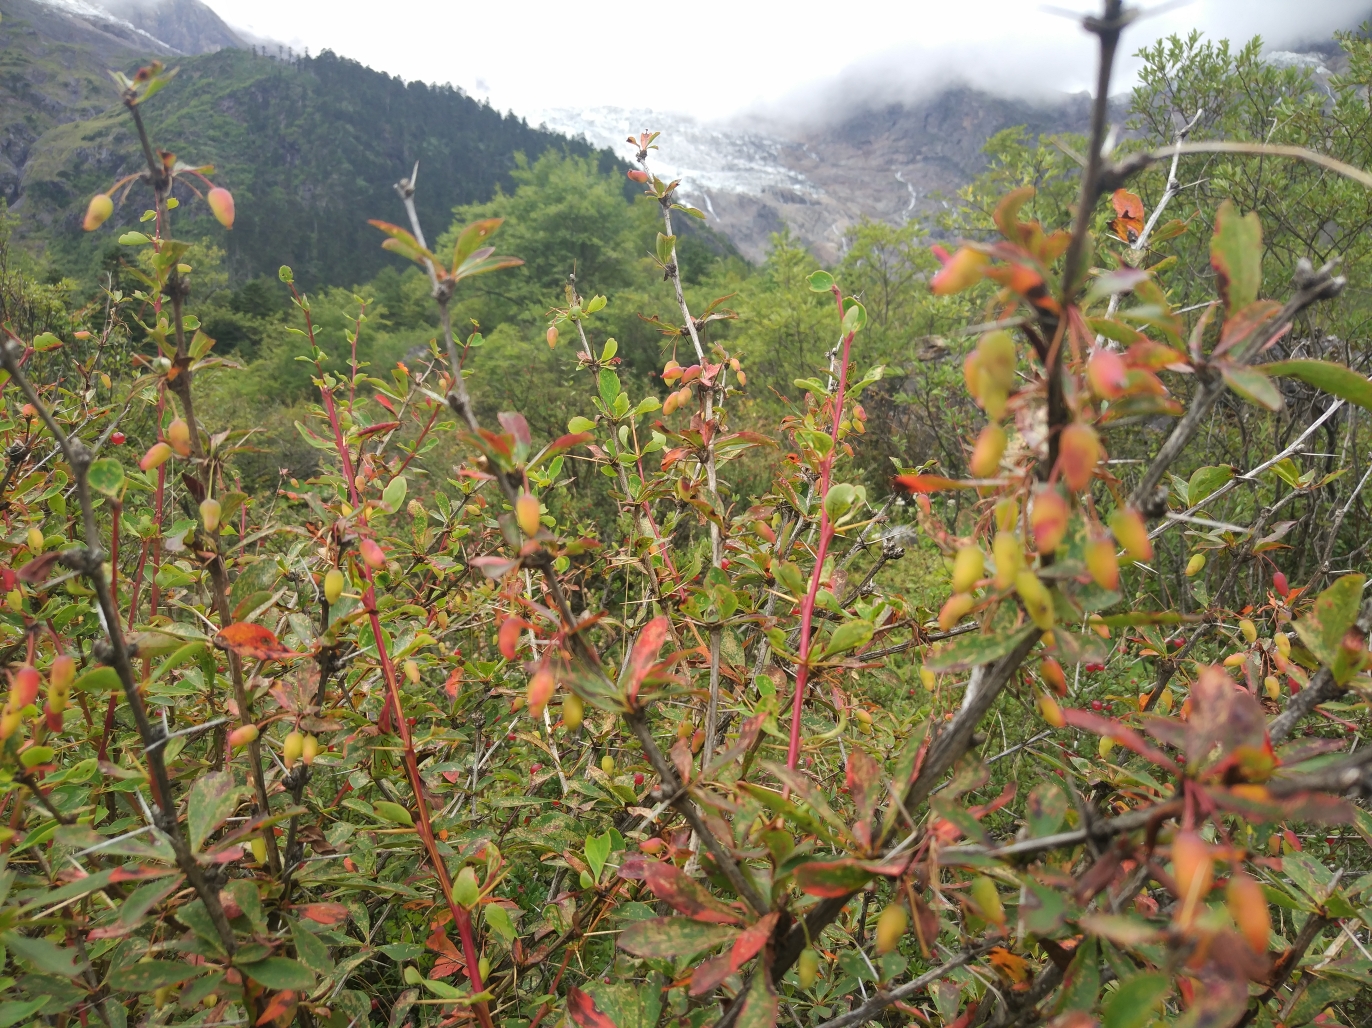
<point x="715" y="58"/>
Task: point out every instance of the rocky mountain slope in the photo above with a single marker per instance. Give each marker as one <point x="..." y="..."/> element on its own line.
<point x="889" y="162"/>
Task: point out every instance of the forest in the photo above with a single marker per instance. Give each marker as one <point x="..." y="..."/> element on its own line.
<point x="534" y="614"/>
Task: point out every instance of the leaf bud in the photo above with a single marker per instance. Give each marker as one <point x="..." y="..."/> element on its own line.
<point x="221" y="203"/>
<point x="541" y="686"/>
<point x="333" y="585"/>
<point x="1052" y="674"/>
<point x="292" y="748"/>
<point x="1009" y="558"/>
<point x="465" y="889"/>
<point x="1102" y="563"/>
<point x="1078" y="452"/>
<point x="210" y="509"/>
<point x="968" y="567"/>
<point x="1132" y="534"/>
<point x="98" y="211"/>
<point x="573" y="712"/>
<point x="179" y="436"/>
<point x="988" y="451"/>
<point x="807" y="967"/>
<point x="155" y="457"/>
<point x="891" y="926"/>
<point x="1038" y="602"/>
<point x="1048" y="519"/>
<point x="372" y="554"/>
<point x="1248" y="906"/>
<point x="242" y="735"/>
<point x="954" y="610"/>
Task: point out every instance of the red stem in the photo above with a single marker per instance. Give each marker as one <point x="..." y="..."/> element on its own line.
<point x="826" y="533"/>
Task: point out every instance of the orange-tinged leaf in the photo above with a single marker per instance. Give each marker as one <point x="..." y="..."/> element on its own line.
<point x="685" y="895"/>
<point x="507" y="636"/>
<point x="582" y="1010"/>
<point x="929" y="483"/>
<point x="751" y="940"/>
<point x="324" y="913"/>
<point x="645" y="651"/>
<point x="281" y="1008"/>
<point x="962" y="271"/>
<point x="255" y="642"/>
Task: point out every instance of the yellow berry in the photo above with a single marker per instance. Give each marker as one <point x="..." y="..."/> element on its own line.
<point x="891" y="926"/>
<point x="807" y="967"/>
<point x="333" y="585"/>
<point x="292" y="748"/>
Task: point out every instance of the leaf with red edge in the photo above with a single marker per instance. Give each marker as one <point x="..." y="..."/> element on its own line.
<point x="709" y="973"/>
<point x="832" y="878"/>
<point x="323" y="913"/>
<point x="134" y="874"/>
<point x="667" y="938"/>
<point x="441" y="944"/>
<point x="38" y="569"/>
<point x="685" y="895"/>
<point x="494" y="567"/>
<point x="516" y="424"/>
<point x="255" y="642"/>
<point x="645" y="651"/>
<point x="582" y="1009"/>
<point x="564" y="443"/>
<point x="380" y="426"/>
<point x="1116" y="732"/>
<point x="929" y="483"/>
<point x="508" y="636"/>
<point x="751" y="940"/>
<point x="385" y="401"/>
<point x="281" y="1005"/>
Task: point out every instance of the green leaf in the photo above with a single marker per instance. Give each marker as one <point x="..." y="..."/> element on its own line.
<point x="45" y="341"/>
<point x="152" y="974"/>
<point x="810" y="385"/>
<point x="311" y="951"/>
<point x="609" y="386"/>
<point x="394" y="494"/>
<point x="839" y="500"/>
<point x="280" y="973"/>
<point x="1136" y="1000"/>
<point x="1335" y="610"/>
<point x="669" y="938"/>
<point x="821" y="281"/>
<point x="498" y="920"/>
<point x="579" y="424"/>
<point x="1043" y="908"/>
<point x="1253" y="385"/>
<point x="394" y="813"/>
<point x="1236" y="256"/>
<point x="970" y="650"/>
<point x="213" y="798"/>
<point x="760" y="1005"/>
<point x="15" y="1010"/>
<point x="106" y="476"/>
<point x="832" y="877"/>
<point x="665" y="246"/>
<point x="1081" y="983"/>
<point x="630" y="1004"/>
<point x="100" y="679"/>
<point x="134" y="239"/>
<point x="789" y="577"/>
<point x="1204" y="481"/>
<point x="35" y="755"/>
<point x="597" y="852"/>
<point x="42" y="954"/>
<point x="848" y="636"/>
<point x="611" y="347"/>
<point x="1332" y="378"/>
<point x="854" y="318"/>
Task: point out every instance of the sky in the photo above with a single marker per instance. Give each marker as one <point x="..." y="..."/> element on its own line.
<point x="728" y="59"/>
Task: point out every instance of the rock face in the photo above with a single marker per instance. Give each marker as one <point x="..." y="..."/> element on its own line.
<point x="888" y="162"/>
<point x="187" y="26"/>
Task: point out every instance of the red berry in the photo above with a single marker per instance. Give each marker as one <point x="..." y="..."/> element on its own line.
<point x="509" y="736"/>
<point x="118" y="438"/>
<point x="638" y="779"/>
<point x="1280" y="584"/>
<point x="536" y="768"/>
<point x="1097" y="705"/>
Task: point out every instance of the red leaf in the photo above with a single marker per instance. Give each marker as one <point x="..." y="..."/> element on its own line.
<point x="929" y="483"/>
<point x="710" y="973"/>
<point x="133" y="874"/>
<point x="752" y="939"/>
<point x="685" y="895"/>
<point x="514" y="423"/>
<point x="324" y="913"/>
<point x="566" y="442"/>
<point x="385" y="402"/>
<point x="380" y="426"/>
<point x="509" y="635"/>
<point x="644" y="654"/>
<point x="493" y="567"/>
<point x="440" y="943"/>
<point x="252" y="641"/>
<point x="281" y="1004"/>
<point x="583" y="1011"/>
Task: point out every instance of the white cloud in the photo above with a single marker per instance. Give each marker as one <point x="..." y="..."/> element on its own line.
<point x="714" y="58"/>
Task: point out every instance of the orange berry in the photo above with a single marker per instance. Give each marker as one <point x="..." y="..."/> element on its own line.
<point x="157" y="454"/>
<point x="1051" y="672"/>
<point x="179" y="436"/>
<point x="221" y="203"/>
<point x="987" y="453"/>
<point x="1102" y="563"/>
<point x="541" y="686"/>
<point x="954" y="609"/>
<point x="526" y="513"/>
<point x="371" y="553"/>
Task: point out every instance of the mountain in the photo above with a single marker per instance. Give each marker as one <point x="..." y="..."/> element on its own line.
<point x="888" y="161"/>
<point x="185" y="26"/>
<point x="310" y="147"/>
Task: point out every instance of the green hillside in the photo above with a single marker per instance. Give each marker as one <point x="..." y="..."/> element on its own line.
<point x="310" y="150"/>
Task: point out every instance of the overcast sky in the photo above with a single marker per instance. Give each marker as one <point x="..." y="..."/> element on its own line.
<point x="725" y="58"/>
